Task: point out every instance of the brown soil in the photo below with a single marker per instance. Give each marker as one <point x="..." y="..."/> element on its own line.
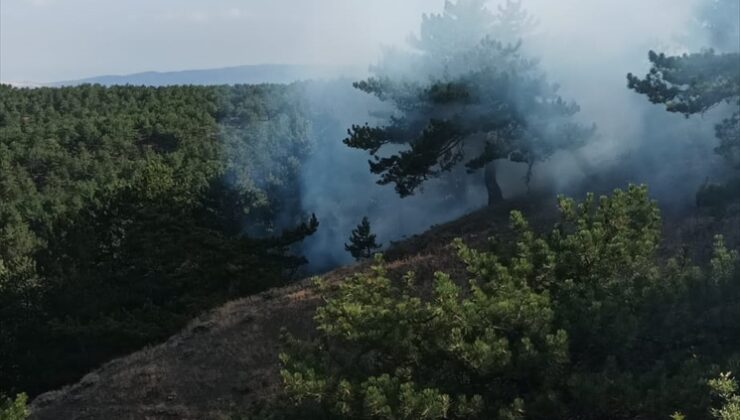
<point x="226" y="360"/>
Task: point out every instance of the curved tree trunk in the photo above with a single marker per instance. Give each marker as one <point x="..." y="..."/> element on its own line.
<point x="494" y="191"/>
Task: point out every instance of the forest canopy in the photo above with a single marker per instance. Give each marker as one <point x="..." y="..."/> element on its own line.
<point x="126" y="211"/>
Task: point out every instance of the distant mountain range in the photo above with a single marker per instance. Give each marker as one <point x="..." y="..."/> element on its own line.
<point x="21" y="84"/>
<point x="250" y="74"/>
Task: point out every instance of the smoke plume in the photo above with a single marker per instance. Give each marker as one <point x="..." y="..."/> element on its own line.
<point x="587" y="47"/>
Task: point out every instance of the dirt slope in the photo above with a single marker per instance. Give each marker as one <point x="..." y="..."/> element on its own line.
<point x="226" y="360"/>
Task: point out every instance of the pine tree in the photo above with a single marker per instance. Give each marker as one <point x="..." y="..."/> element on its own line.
<point x="466" y="95"/>
<point x="582" y="322"/>
<point x="362" y="242"/>
<point x="693" y="84"/>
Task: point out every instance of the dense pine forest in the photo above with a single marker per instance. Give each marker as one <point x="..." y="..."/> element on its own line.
<point x="589" y="267"/>
<point x="126" y="211"/>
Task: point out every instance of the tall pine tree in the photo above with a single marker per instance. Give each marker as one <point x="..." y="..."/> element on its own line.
<point x="465" y="94"/>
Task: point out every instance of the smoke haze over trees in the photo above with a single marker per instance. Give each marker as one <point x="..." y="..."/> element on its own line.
<point x="467" y="97"/>
<point x="127" y="210"/>
<point x="587" y="48"/>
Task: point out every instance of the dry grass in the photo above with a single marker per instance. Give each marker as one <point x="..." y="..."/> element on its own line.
<point x="226" y="360"/>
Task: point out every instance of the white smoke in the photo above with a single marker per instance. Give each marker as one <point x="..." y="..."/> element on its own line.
<point x="588" y="47"/>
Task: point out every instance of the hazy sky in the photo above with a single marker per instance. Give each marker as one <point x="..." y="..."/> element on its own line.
<point x="46" y="40"/>
<point x="51" y="40"/>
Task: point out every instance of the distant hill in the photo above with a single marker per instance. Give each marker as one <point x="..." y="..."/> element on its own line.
<point x="21" y="84"/>
<point x="249" y="74"/>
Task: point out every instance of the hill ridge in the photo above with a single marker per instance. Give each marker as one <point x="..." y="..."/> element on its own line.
<point x="225" y="360"/>
<point x="227" y="357"/>
<point x="243" y="74"/>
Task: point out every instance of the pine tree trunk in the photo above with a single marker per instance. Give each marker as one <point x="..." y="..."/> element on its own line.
<point x="494" y="191"/>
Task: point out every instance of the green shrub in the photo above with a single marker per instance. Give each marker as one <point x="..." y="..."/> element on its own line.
<point x="14" y="409"/>
<point x="583" y="322"/>
<point x="725" y="388"/>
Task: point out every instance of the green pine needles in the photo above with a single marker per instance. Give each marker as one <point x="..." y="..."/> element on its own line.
<point x="582" y="322"/>
<point x="14" y="409"/>
<point x="362" y="244"/>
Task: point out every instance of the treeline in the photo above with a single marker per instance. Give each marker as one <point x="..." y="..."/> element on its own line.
<point x="126" y="211"/>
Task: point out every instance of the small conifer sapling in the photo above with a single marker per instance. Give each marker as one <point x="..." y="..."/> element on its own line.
<point x="362" y="243"/>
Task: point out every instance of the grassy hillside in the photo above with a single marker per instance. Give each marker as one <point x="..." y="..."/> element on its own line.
<point x="225" y="362"/>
